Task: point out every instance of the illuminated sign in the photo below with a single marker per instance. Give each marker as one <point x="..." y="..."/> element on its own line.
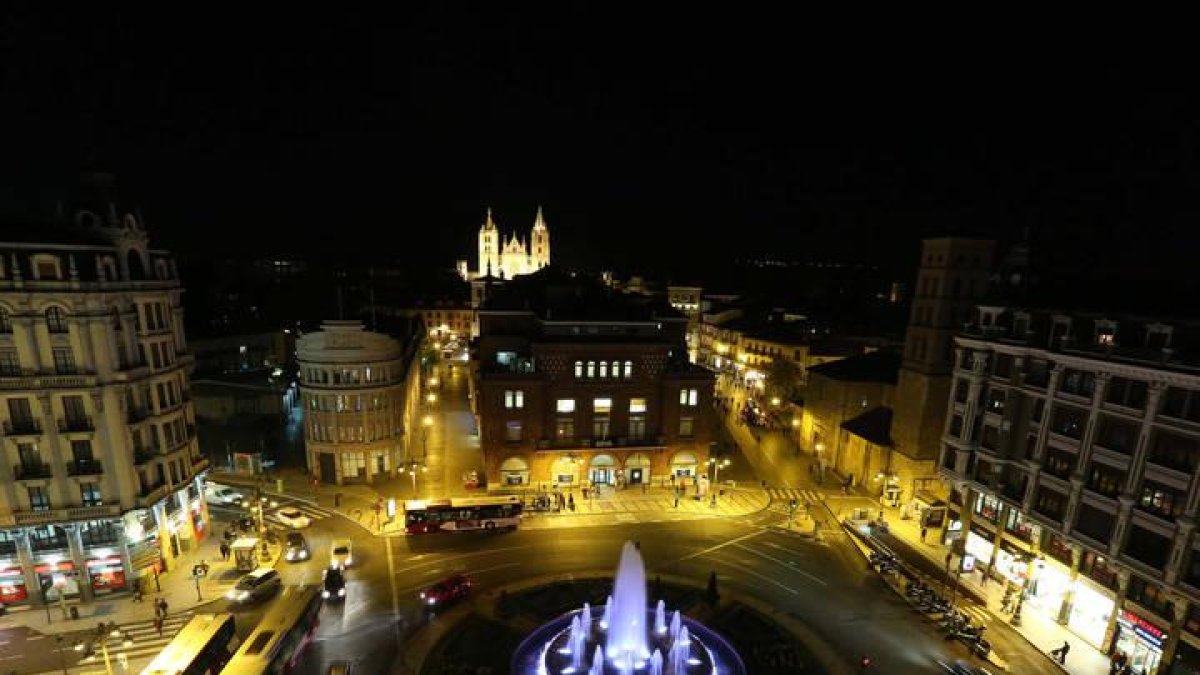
<point x="1148" y="632"/>
<point x="967" y="564"/>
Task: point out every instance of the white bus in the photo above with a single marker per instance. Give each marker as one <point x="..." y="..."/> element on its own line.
<point x="202" y="647"/>
<point x="280" y="638"/>
<point x="468" y="513"/>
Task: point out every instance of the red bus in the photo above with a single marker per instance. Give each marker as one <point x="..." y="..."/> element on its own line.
<point x="456" y="515"/>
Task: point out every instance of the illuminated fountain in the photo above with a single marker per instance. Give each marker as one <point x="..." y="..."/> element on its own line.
<point x="628" y="637"/>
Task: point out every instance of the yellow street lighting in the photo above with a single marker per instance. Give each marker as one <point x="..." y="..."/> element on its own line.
<point x="427" y="421"/>
<point x="432" y="397"/>
<point x="433" y="382"/>
<point x="795" y="423"/>
<point x="774" y="400"/>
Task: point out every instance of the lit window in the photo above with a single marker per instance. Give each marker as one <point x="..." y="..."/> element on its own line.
<point x="565" y="405"/>
<point x="512" y="431"/>
<point x="604" y="369"/>
<point x="591" y="369"/>
<point x="514" y="399"/>
<point x="579" y="369"/>
<point x="689" y="397"/>
<point x="637" y="405"/>
<point x="602" y="405"/>
<point x="686" y="426"/>
<point x="616" y="371"/>
<point x="628" y="369"/>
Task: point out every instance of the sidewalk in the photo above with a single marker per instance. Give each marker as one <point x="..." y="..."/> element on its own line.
<point x="651" y="505"/>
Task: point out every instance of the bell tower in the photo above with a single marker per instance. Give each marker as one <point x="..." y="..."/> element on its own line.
<point x="540" y="242"/>
<point x="489" y="246"/>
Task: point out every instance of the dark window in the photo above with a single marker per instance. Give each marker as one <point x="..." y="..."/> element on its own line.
<point x="1068" y="420"/>
<point x="1148" y="546"/>
<point x="1125" y="392"/>
<point x="5" y="321"/>
<point x="1181" y="404"/>
<point x="56" y="320"/>
<point x="1037" y="373"/>
<point x="960" y="390"/>
<point x="1003" y="366"/>
<point x="1105" y="480"/>
<point x="990" y="438"/>
<point x="1094" y="522"/>
<point x="1077" y="382"/>
<point x="996" y="399"/>
<point x="1030" y="445"/>
<point x="1149" y="594"/>
<point x="1058" y="462"/>
<point x="1050" y="503"/>
<point x="1117" y="434"/>
<point x="956" y="426"/>
<point x="1039" y="409"/>
<point x="1174" y="451"/>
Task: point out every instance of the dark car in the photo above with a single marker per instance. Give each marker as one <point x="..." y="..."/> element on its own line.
<point x="446" y="591"/>
<point x="295" y="548"/>
<point x="334" y="585"/>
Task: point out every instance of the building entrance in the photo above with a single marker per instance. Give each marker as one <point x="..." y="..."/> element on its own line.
<point x="635" y="476"/>
<point x="601" y="476"/>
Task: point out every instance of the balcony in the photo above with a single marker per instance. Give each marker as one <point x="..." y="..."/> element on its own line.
<point x="19" y="427"/>
<point x="28" y="378"/>
<point x="73" y="424"/>
<point x="84" y="467"/>
<point x="32" y="471"/>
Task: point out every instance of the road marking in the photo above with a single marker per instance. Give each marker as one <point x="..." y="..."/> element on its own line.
<point x="392" y="581"/>
<point x="790" y="566"/>
<point x="751" y="572"/>
<point x="720" y="546"/>
<point x="456" y="557"/>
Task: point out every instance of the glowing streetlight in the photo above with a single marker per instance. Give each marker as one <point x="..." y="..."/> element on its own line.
<point x="433" y="381"/>
<point x="431" y="397"/>
<point x="795" y="423"/>
<point x="775" y="400"/>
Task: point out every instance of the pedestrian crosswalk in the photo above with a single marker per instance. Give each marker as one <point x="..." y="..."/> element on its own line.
<point x="314" y="513"/>
<point x="802" y="497"/>
<point x="144" y="643"/>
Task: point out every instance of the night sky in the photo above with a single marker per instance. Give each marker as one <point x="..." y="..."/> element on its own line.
<point x="662" y="141"/>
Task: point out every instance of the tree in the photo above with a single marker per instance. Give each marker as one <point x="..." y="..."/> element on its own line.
<point x="783" y="379"/>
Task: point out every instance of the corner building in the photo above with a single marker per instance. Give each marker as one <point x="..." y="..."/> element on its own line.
<point x="101" y="478"/>
<point x="1072" y="447"/>
<point x="579" y="384"/>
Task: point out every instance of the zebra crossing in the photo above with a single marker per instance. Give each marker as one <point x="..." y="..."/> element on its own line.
<point x="145" y="641"/>
<point x="314" y="513"/>
<point x="802" y="497"/>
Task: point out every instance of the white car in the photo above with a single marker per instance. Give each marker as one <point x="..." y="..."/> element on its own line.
<point x="293" y="518"/>
<point x="341" y="553"/>
<point x="223" y="495"/>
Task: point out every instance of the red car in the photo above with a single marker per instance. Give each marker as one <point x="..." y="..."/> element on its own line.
<point x="446" y="591"/>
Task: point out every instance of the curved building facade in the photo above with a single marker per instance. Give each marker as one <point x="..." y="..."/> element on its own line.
<point x="353" y="386"/>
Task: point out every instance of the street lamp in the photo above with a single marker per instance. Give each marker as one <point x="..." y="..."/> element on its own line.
<point x="717" y="465"/>
<point x="103" y="633"/>
<point x="431" y="398"/>
<point x="413" y="466"/>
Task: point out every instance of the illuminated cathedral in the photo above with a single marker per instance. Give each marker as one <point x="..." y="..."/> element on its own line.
<point x="506" y="258"/>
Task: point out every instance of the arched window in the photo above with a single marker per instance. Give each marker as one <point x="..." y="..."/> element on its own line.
<point x="5" y="321"/>
<point x="604" y="369"/>
<point x="628" y="369"/>
<point x="56" y="320"/>
<point x="579" y="369"/>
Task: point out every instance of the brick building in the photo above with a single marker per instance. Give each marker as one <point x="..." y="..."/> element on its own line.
<point x="579" y="384"/>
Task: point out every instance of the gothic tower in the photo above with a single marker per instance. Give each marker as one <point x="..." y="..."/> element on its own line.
<point x="540" y="242"/>
<point x="489" y="247"/>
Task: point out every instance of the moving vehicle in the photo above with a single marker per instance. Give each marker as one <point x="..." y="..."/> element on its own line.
<point x="459" y="514"/>
<point x="447" y="590"/>
<point x="293" y="518"/>
<point x="245" y="553"/>
<point x="256" y="586"/>
<point x="202" y="647"/>
<point x="341" y="553"/>
<point x="295" y="547"/>
<point x="333" y="584"/>
<point x="216" y="494"/>
<point x="280" y="637"/>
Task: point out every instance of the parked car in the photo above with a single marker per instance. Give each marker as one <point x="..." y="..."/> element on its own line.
<point x="447" y="590"/>
<point x="295" y="547"/>
<point x="223" y="495"/>
<point x="341" y="553"/>
<point x="333" y="585"/>
<point x="293" y="518"/>
<point x="255" y="586"/>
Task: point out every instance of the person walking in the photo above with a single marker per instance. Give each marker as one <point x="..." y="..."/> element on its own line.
<point x="924" y="531"/>
<point x="1061" y="652"/>
<point x="571" y="503"/>
<point x="158" y="625"/>
<point x="224" y="551"/>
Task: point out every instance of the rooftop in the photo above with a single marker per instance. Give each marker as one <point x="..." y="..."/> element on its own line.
<point x="881" y="366"/>
<point x="552" y="294"/>
<point x="873" y="426"/>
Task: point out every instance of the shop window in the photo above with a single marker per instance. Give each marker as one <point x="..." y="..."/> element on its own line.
<point x="47" y="538"/>
<point x="99" y="533"/>
<point x="1022" y="527"/>
<point x="1058" y="548"/>
<point x="987" y="507"/>
<point x="354" y="464"/>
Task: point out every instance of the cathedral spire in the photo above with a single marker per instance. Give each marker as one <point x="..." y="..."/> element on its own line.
<point x="539" y="222"/>
<point x="488" y="224"/>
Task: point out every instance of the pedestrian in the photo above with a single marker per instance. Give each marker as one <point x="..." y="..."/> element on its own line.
<point x="585" y="492"/>
<point x="924" y="531"/>
<point x="224" y="551"/>
<point x="162" y="603"/>
<point x="158" y="625"/>
<point x="137" y="591"/>
<point x="571" y="502"/>
<point x="677" y="498"/>
<point x="1061" y="652"/>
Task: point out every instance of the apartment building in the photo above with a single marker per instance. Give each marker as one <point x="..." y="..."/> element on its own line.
<point x="1072" y="447"/>
<point x="101" y="478"/>
<point x="582" y="384"/>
